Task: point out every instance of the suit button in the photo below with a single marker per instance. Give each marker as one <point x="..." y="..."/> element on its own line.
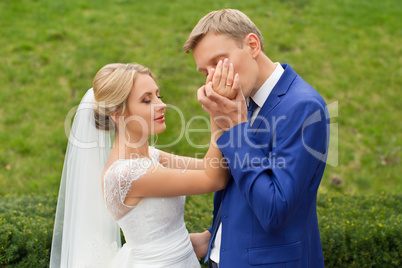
<point x="225" y="216"/>
<point x="223" y="249"/>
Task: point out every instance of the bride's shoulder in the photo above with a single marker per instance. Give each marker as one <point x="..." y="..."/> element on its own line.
<point x="124" y="167"/>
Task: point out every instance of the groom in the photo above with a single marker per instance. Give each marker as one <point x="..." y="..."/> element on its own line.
<point x="276" y="151"/>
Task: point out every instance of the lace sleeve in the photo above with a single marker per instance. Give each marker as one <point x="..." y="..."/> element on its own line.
<point x="118" y="180"/>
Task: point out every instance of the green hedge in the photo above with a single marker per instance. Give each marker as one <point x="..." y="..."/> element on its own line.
<point x="26" y="228"/>
<point x="356" y="231"/>
<point x="361" y="231"/>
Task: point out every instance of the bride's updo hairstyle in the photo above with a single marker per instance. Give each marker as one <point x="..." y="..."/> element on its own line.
<point x="112" y="86"/>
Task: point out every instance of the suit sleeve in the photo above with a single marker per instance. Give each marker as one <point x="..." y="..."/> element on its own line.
<point x="273" y="171"/>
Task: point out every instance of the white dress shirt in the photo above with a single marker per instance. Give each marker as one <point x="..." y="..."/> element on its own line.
<point x="259" y="98"/>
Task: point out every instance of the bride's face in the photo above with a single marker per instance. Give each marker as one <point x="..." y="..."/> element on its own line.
<point x="146" y="111"/>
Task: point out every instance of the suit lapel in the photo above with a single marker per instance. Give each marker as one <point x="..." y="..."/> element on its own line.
<point x="274" y="98"/>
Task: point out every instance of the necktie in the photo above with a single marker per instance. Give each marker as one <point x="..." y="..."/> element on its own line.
<point x="251" y="108"/>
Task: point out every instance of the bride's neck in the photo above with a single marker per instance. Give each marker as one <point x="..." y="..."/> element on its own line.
<point x="128" y="150"/>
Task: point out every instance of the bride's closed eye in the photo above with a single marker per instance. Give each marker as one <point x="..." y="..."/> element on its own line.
<point x="148" y="100"/>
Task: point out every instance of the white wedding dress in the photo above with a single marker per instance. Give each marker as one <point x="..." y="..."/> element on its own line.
<point x="154" y="229"/>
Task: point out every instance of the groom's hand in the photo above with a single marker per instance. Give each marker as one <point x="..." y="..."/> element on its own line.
<point x="200" y="243"/>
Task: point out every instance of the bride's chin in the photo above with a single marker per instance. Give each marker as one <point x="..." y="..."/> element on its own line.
<point x="160" y="129"/>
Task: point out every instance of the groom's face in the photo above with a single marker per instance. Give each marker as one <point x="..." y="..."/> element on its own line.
<point x="215" y="47"/>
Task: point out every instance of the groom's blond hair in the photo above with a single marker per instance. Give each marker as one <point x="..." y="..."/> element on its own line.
<point x="230" y="22"/>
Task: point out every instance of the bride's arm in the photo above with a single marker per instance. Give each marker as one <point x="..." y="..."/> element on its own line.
<point x="183" y="162"/>
<point x="180" y="162"/>
<point x="219" y="78"/>
<point x="162" y="181"/>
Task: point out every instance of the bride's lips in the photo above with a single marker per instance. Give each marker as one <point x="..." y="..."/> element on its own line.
<point x="160" y="118"/>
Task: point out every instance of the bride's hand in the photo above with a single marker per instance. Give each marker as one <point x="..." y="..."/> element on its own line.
<point x="222" y="79"/>
<point x="200" y="242"/>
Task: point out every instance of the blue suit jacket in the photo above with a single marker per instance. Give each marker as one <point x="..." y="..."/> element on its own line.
<point x="269" y="216"/>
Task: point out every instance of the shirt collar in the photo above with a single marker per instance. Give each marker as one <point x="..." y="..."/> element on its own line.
<point x="262" y="94"/>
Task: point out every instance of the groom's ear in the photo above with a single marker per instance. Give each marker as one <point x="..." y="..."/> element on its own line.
<point x="253" y="44"/>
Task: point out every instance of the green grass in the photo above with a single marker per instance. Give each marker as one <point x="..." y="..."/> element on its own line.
<point x="50" y="50"/>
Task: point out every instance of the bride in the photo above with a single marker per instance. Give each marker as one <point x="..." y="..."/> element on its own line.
<point x="130" y="185"/>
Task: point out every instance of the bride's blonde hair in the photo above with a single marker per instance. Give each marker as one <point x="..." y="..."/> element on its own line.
<point x="112" y="86"/>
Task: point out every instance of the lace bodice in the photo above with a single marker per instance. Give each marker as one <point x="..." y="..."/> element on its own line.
<point x="153" y="217"/>
<point x="154" y="229"/>
<point x="119" y="177"/>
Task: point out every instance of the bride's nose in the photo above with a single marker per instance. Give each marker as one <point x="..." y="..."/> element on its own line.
<point x="160" y="106"/>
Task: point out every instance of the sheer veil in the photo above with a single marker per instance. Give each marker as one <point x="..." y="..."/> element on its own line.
<point x="85" y="235"/>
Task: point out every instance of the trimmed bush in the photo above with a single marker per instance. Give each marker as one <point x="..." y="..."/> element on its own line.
<point x="26" y="228"/>
<point x="361" y="231"/>
<point x="356" y="231"/>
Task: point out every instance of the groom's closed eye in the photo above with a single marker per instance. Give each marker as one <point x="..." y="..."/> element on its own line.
<point x="212" y="62"/>
<point x="203" y="71"/>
